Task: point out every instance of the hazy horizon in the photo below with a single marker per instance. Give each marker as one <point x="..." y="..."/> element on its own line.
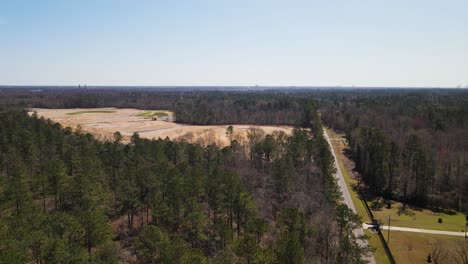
<point x="228" y="87"/>
<point x="241" y="43"/>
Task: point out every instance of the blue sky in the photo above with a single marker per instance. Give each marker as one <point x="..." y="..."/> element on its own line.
<point x="238" y="42"/>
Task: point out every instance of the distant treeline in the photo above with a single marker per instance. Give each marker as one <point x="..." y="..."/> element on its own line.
<point x="280" y="107"/>
<point x="200" y="107"/>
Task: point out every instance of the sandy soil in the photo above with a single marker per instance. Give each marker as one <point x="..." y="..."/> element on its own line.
<point x="126" y="121"/>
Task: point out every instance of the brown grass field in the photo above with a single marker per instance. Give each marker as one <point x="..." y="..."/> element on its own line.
<point x="103" y="122"/>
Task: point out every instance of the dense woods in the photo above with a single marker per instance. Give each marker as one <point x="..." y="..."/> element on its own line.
<point x="67" y="198"/>
<point x="193" y="107"/>
<point x="408" y="145"/>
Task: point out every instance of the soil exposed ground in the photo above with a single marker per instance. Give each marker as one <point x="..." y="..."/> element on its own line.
<point x="103" y="122"/>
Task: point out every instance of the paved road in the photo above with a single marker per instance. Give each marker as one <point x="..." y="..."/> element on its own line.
<point x="419" y="230"/>
<point x="345" y="193"/>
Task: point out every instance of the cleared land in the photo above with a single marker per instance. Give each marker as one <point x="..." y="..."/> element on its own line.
<point x="103" y="122"/>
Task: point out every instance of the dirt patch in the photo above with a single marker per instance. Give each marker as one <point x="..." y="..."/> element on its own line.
<point x="103" y="122"/>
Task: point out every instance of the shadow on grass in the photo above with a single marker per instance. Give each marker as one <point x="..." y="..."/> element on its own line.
<point x="444" y="211"/>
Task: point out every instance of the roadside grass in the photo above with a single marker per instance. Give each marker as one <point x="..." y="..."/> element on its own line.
<point x="158" y="113"/>
<point x="419" y="218"/>
<point x="379" y="253"/>
<point x="350" y="183"/>
<point x="92" y="112"/>
<point x="409" y="247"/>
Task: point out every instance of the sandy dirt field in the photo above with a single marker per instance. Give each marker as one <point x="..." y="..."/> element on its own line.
<point x="103" y="122"/>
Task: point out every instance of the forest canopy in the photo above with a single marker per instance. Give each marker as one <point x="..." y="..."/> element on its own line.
<point x="67" y="197"/>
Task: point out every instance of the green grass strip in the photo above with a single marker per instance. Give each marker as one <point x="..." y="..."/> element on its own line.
<point x="92" y="112"/>
<point x="154" y="113"/>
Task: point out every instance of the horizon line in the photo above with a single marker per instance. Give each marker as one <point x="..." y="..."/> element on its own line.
<point x="82" y="86"/>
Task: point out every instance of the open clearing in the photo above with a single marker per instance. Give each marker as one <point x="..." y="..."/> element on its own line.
<point x="103" y="122"/>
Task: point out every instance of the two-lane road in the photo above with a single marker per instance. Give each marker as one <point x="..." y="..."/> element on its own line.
<point x="345" y="194"/>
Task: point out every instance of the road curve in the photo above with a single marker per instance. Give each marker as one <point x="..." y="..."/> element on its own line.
<point x="345" y="194"/>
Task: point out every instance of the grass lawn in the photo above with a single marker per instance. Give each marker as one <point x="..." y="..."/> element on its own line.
<point x="420" y="218"/>
<point x="92" y="112"/>
<point x="414" y="247"/>
<point x="158" y="113"/>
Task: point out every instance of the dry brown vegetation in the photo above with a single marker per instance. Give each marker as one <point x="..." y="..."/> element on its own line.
<point x="103" y="122"/>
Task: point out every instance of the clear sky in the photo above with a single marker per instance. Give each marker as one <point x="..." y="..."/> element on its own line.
<point x="237" y="42"/>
